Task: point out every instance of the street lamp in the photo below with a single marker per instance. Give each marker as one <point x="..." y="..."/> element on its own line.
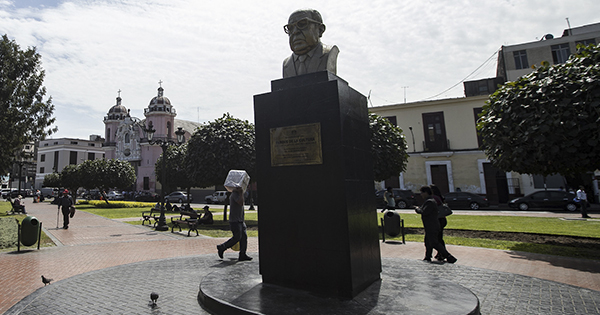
<point x="163" y="143"/>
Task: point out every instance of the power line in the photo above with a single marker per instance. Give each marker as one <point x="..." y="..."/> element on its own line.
<point x="468" y="76"/>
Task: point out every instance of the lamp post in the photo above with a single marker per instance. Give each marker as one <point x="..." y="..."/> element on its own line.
<point x="163" y="143"/>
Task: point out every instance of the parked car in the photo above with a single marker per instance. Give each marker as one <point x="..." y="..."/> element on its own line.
<point x="177" y="196"/>
<point x="49" y="192"/>
<point x="147" y="196"/>
<point x="404" y="198"/>
<point x="6" y="192"/>
<point x="546" y="199"/>
<point x="465" y="200"/>
<point x="216" y="197"/>
<point x="113" y="195"/>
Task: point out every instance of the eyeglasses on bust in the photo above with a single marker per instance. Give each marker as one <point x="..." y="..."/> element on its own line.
<point x="300" y="24"/>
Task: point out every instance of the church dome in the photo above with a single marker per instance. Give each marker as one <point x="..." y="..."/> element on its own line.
<point x="117" y="112"/>
<point x="160" y="104"/>
<point x="160" y="99"/>
<point x="117" y="109"/>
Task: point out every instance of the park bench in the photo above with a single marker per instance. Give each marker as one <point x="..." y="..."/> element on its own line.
<point x="154" y="213"/>
<point x="189" y="218"/>
<point x="16" y="209"/>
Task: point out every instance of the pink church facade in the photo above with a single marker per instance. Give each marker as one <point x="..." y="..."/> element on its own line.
<point x="126" y="140"/>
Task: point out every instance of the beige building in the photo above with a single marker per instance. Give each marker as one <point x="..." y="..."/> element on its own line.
<point x="54" y="154"/>
<point x="444" y="149"/>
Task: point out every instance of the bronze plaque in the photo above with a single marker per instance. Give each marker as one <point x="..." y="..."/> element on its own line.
<point x="296" y="145"/>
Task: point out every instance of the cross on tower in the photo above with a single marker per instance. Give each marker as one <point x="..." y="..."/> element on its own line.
<point x="160" y="83"/>
<point x="119" y="91"/>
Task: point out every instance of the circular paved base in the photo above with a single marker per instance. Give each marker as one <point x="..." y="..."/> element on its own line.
<point x="240" y="290"/>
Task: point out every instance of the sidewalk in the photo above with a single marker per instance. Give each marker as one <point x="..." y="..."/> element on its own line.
<point x="94" y="243"/>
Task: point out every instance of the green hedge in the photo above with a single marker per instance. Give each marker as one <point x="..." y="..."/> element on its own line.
<point x="115" y="204"/>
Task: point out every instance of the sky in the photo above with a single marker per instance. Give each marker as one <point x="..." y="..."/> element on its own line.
<point x="214" y="56"/>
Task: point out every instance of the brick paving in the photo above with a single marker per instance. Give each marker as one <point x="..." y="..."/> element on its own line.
<point x="106" y="266"/>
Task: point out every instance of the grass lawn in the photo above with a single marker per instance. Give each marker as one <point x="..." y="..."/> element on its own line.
<point x="554" y="226"/>
<point x="517" y="224"/>
<point x="9" y="231"/>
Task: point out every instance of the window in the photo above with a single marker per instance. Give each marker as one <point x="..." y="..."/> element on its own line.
<point x="521" y="59"/>
<point x="392" y="119"/>
<point x="127" y="138"/>
<point x="476" y="112"/>
<point x="169" y="129"/>
<point x="42" y="158"/>
<point x="56" y="153"/>
<point x="435" y="132"/>
<point x="586" y="42"/>
<point x="45" y="144"/>
<point x="146" y="183"/>
<point x="108" y="135"/>
<point x="560" y="53"/>
<point x="91" y="144"/>
<point x="73" y="157"/>
<point x="42" y="170"/>
<point x="91" y="156"/>
<point x="74" y="142"/>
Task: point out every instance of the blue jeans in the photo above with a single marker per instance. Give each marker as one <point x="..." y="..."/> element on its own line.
<point x="239" y="235"/>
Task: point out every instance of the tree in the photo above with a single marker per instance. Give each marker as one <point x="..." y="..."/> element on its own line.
<point x="218" y="147"/>
<point x="176" y="170"/>
<point x="70" y="178"/>
<point x="52" y="180"/>
<point x="25" y="115"/>
<point x="388" y="148"/>
<point x="548" y="121"/>
<point x="106" y="174"/>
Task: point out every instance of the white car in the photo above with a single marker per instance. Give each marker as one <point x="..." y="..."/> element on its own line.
<point x="217" y="197"/>
<point x="113" y="195"/>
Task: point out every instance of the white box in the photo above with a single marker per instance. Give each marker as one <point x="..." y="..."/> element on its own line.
<point x="237" y="178"/>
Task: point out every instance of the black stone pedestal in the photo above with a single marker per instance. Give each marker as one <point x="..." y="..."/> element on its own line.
<point x="317" y="218"/>
<point x="238" y="290"/>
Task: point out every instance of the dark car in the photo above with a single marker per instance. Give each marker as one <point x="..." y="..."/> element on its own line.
<point x="404" y="198"/>
<point x="147" y="196"/>
<point x="465" y="200"/>
<point x="177" y="196"/>
<point x="546" y="199"/>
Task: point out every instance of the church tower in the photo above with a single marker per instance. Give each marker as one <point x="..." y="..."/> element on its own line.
<point x="160" y="114"/>
<point x="116" y="114"/>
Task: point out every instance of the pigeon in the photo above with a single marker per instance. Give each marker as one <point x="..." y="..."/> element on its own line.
<point x="153" y="297"/>
<point x="46" y="280"/>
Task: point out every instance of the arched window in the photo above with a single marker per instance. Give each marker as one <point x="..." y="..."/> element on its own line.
<point x="127" y="138"/>
<point x="169" y="129"/>
<point x="108" y="135"/>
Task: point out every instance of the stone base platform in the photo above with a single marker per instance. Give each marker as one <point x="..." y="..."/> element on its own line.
<point x="239" y="290"/>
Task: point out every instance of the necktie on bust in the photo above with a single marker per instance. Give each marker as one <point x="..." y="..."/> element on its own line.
<point x="301" y="64"/>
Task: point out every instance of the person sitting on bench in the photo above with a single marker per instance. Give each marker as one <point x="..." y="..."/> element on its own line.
<point x="18" y="205"/>
<point x="207" y="218"/>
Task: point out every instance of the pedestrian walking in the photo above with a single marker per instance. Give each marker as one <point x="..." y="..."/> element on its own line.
<point x="429" y="217"/>
<point x="65" y="203"/>
<point x="237" y="225"/>
<point x="582" y="198"/>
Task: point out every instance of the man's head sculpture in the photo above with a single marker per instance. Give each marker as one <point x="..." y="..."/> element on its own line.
<point x="305" y="28"/>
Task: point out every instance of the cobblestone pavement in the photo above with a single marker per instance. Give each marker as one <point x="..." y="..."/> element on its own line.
<point x="103" y="266"/>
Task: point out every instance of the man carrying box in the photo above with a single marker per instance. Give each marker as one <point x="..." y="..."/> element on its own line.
<point x="236" y="216"/>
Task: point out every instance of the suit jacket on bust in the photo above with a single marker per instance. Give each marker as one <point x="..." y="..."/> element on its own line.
<point x="324" y="58"/>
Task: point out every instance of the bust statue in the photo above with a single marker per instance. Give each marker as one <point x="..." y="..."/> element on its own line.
<point x="305" y="28"/>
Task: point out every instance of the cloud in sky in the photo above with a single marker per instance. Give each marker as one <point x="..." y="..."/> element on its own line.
<point x="214" y="56"/>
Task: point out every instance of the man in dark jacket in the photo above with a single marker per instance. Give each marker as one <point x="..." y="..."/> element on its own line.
<point x="65" y="202"/>
<point x="431" y="224"/>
